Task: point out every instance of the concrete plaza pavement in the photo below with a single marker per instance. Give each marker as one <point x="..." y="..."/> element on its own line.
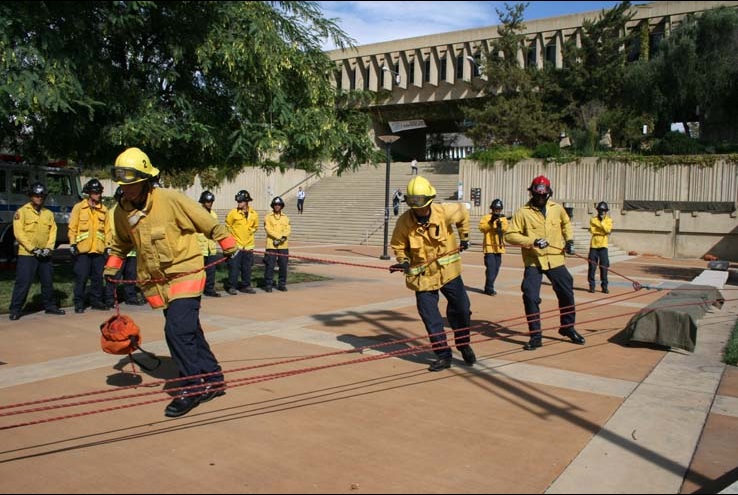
<point x="600" y="418"/>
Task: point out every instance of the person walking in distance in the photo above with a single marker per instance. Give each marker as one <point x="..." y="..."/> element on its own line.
<point x="414" y="167"/>
<point x="396" y="200"/>
<point x="428" y="254"/>
<point x="278" y="229"/>
<point x="34" y="229"/>
<point x="162" y="225"/>
<point x="208" y="247"/>
<point x="493" y="226"/>
<point x="242" y="223"/>
<point x="600" y="227"/>
<point x="543" y="230"/>
<point x="300" y="199"/>
<point x="87" y="246"/>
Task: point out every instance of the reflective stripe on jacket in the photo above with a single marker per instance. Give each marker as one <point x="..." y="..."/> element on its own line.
<point x="276" y="227"/>
<point x="34" y="229"/>
<point x="164" y="235"/>
<point x="242" y="226"/>
<point x="431" y="249"/>
<point x="208" y="247"/>
<point x="599" y="229"/>
<point x="529" y="224"/>
<point x="87" y="227"/>
<point x="494" y="233"/>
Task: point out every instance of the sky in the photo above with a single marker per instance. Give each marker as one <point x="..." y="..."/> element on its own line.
<point x="377" y="21"/>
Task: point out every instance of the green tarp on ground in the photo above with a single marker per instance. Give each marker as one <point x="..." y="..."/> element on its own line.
<point x="672" y="320"/>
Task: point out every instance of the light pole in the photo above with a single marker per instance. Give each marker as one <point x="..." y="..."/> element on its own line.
<point x="387" y="140"/>
<point x="397" y="75"/>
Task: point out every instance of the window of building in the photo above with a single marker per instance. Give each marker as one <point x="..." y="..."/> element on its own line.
<point x="352" y="82"/>
<point x="411" y="72"/>
<point x="551" y="53"/>
<point x="459" y="67"/>
<point x="477" y="65"/>
<point x="442" y="75"/>
<point x="532" y="59"/>
<point x="339" y="79"/>
<point x="427" y="70"/>
<point x="654" y="40"/>
<point x="366" y="78"/>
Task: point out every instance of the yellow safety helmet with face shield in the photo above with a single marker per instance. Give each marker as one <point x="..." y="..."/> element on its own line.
<point x="420" y="193"/>
<point x="133" y="165"/>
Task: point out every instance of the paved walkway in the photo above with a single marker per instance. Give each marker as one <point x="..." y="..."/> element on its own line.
<point x="605" y="417"/>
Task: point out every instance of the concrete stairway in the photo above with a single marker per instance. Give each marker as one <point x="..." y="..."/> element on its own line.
<point x="349" y="209"/>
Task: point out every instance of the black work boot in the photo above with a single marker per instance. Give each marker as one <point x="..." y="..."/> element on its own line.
<point x="440" y="364"/>
<point x="534" y="343"/>
<point x="182" y="404"/>
<point x="468" y="354"/>
<point x="573" y="335"/>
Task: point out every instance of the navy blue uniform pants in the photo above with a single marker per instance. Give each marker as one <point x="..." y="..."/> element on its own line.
<point x="492" y="263"/>
<point x="241" y="265"/>
<point x="88" y="266"/>
<point x="25" y="273"/>
<point x="270" y="259"/>
<point x="458" y="313"/>
<point x="187" y="343"/>
<point x="127" y="272"/>
<point x="598" y="256"/>
<point x="210" y="272"/>
<point x="563" y="285"/>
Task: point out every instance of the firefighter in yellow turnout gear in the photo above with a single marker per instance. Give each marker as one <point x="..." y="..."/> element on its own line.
<point x="278" y="229"/>
<point x="493" y="226"/>
<point x="162" y="225"/>
<point x="88" y="246"/>
<point x="427" y="253"/>
<point x="242" y="223"/>
<point x="208" y="247"/>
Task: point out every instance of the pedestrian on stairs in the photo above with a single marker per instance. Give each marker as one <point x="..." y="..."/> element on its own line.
<point x="427" y="253"/>
<point x="300" y="200"/>
<point x="493" y="226"/>
<point x="543" y="230"/>
<point x="414" y="167"/>
<point x="600" y="227"/>
<point x="396" y="200"/>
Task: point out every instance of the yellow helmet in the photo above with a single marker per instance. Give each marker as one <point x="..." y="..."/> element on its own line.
<point x="133" y="165"/>
<point x="420" y="192"/>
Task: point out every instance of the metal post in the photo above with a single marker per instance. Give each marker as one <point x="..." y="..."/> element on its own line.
<point x="387" y="140"/>
<point x="385" y="256"/>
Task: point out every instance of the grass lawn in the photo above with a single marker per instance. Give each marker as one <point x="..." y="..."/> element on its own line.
<point x="64" y="283"/>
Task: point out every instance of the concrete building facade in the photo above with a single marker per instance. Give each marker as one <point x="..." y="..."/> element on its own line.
<point x="427" y="77"/>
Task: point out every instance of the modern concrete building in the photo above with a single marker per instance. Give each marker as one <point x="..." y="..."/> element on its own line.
<point x="427" y="77"/>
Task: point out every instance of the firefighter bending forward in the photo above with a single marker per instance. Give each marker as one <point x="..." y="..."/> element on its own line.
<point x="162" y="226"/>
<point x="426" y="250"/>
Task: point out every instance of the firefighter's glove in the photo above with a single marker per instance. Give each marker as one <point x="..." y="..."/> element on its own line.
<point x="108" y="251"/>
<point x="46" y="253"/>
<point x="400" y="267"/>
<point x="73" y="250"/>
<point x="277" y="242"/>
<point x="463" y="246"/>
<point x="109" y="271"/>
<point x="283" y="239"/>
<point x="569" y="247"/>
<point x="37" y="252"/>
<point x="540" y="243"/>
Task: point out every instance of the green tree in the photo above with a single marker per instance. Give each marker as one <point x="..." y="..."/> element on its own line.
<point x="197" y="84"/>
<point x="693" y="75"/>
<point x="514" y="112"/>
<point x="591" y="78"/>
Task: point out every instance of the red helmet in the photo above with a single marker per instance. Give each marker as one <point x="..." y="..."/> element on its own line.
<point x="540" y="185"/>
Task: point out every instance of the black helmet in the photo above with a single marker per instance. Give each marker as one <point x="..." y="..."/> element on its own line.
<point x="37" y="189"/>
<point x="207" y="197"/>
<point x="496" y="205"/>
<point x="602" y="206"/>
<point x="277" y="201"/>
<point x="93" y="186"/>
<point x="118" y="193"/>
<point x="243" y="195"/>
